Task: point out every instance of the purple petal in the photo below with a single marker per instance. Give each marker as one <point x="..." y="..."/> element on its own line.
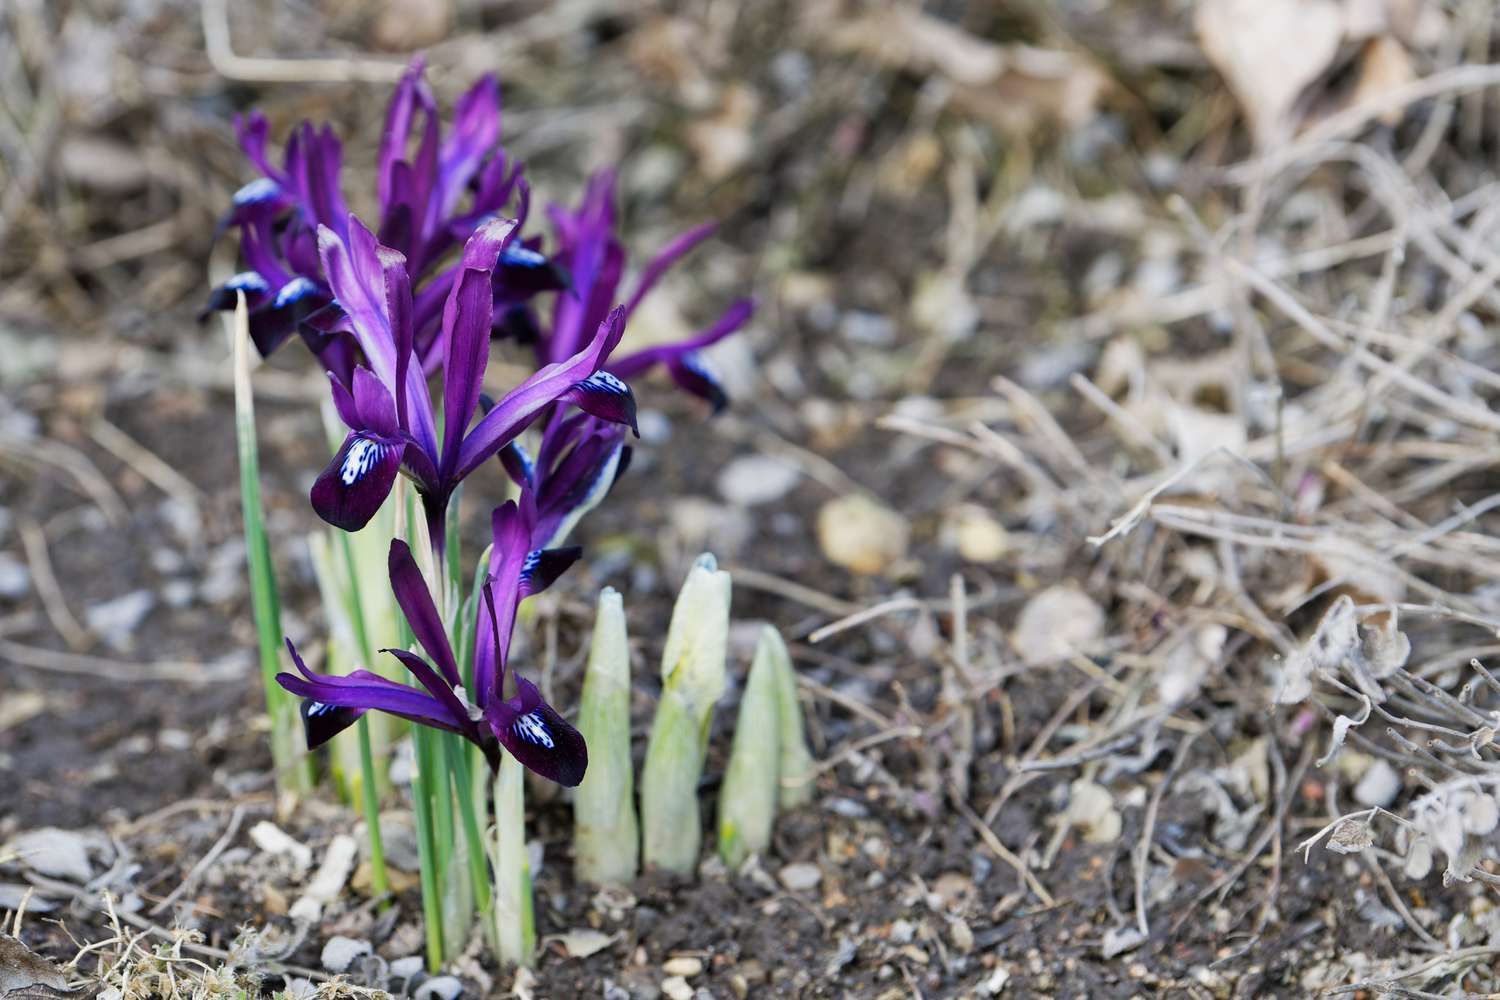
<point x="510" y="533"/>
<point x="543" y="566"/>
<point x="511" y="415"/>
<point x="373" y="405"/>
<point x="349" y="492"/>
<point x="321" y="721"/>
<point x="371" y="284"/>
<point x="467" y="318"/>
<point x="518" y="464"/>
<point x="410" y="96"/>
<point x="225" y="297"/>
<point x="578" y="484"/>
<point x="534" y="734"/>
<point x="476" y="128"/>
<point x="692" y="372"/>
<point x="668" y="256"/>
<point x="363" y="690"/>
<point x="343" y="402"/>
<point x="736" y="316"/>
<point x="410" y="589"/>
<point x="252" y="131"/>
<point x="367" y="314"/>
<point x="605" y="396"/>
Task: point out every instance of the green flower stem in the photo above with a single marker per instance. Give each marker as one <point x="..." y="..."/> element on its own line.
<point x="379" y="879"/>
<point x="294" y="771"/>
<point x="421" y="796"/>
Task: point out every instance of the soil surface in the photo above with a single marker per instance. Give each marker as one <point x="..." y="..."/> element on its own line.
<point x="130" y="698"/>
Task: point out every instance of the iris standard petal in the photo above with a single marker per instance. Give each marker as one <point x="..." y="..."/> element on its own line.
<point x="513" y="413"/>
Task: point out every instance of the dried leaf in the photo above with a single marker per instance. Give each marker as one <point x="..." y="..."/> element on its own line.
<point x="583" y="942"/>
<point x="1268" y="52"/>
<point x="22" y="969"/>
<point x="1350" y="837"/>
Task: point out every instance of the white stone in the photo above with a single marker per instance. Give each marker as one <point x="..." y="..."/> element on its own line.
<point x="440" y="988"/>
<point x="274" y="840"/>
<point x="1379" y="786"/>
<point x="685" y="966"/>
<point x="752" y="480"/>
<point x="800" y="876"/>
<point x="15" y="578"/>
<point x="340" y="952"/>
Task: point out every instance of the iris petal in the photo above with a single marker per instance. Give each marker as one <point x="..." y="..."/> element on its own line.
<point x="692" y="372"/>
<point x="533" y="733"/>
<point x="321" y="721"/>
<point x="543" y="566"/>
<point x="349" y="492"/>
<point x="605" y="396"/>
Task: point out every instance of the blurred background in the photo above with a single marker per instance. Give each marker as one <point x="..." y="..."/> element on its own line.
<point x="1000" y="252"/>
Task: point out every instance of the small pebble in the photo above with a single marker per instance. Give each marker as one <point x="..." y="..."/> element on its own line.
<point x="115" y="620"/>
<point x="756" y="479"/>
<point x="861" y="535"/>
<point x="801" y="876"/>
<point x="15" y="578"/>
<point x="408" y="967"/>
<point x="1379" y="786"/>
<point x="676" y="988"/>
<point x="685" y="966"/>
<point x="340" y="952"/>
<point x="440" y="988"/>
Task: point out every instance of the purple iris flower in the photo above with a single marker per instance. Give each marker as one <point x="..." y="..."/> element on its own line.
<point x="434" y="191"/>
<point x="392" y="427"/>
<point x="503" y="711"/>
<point x="579" y="460"/>
<point x="594" y="260"/>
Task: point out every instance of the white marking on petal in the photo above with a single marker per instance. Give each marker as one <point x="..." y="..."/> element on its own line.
<point x="363" y="456"/>
<point x="260" y="189"/>
<point x="605" y="382"/>
<point x="523" y="257"/>
<point x="247" y="281"/>
<point x="318" y="708"/>
<point x="533" y="729"/>
<point x="294" y="290"/>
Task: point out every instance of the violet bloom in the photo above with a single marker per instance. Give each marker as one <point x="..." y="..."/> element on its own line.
<point x="594" y="259"/>
<point x="434" y="191"/>
<point x="579" y="460"/>
<point x="392" y="427"/>
<point x="503" y="711"/>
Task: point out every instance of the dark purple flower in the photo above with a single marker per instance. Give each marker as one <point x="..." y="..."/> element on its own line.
<point x="392" y="426"/>
<point x="580" y="458"/>
<point x="503" y="710"/>
<point x="594" y="259"/>
<point x="434" y="191"/>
